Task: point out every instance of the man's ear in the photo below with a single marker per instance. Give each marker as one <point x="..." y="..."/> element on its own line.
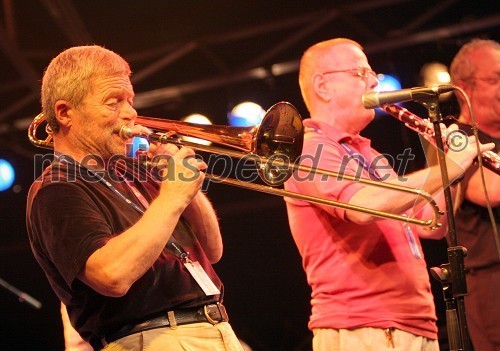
<point x="63" y="111"/>
<point x="321" y="88"/>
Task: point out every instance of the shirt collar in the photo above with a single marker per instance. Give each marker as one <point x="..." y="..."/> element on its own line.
<point x="330" y="132"/>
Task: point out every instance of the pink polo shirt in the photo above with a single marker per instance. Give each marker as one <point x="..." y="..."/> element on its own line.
<point x="361" y="276"/>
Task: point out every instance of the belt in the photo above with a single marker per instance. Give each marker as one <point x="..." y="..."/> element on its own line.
<point x="212" y="313"/>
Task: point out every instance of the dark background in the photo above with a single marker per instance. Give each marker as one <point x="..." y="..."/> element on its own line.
<point x="206" y="56"/>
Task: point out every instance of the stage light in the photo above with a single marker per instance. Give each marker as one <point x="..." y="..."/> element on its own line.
<point x="387" y="82"/>
<point x="7" y="175"/>
<point x="198" y="119"/>
<point x="246" y="114"/>
<point x="138" y="143"/>
<point x="434" y="73"/>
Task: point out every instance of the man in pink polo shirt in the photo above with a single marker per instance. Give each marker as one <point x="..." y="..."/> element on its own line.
<point x="370" y="286"/>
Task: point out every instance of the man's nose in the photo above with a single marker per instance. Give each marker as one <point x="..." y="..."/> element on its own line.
<point x="373" y="81"/>
<point x="128" y="111"/>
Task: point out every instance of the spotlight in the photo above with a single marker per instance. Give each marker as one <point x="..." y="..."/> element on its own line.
<point x="246" y="114"/>
<point x="138" y="143"/>
<point x="7" y="175"/>
<point x="387" y="82"/>
<point x="198" y="119"/>
<point x="435" y="73"/>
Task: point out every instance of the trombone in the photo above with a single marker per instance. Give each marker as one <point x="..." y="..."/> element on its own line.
<point x="274" y="146"/>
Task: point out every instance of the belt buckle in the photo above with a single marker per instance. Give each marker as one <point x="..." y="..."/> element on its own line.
<point x="218" y="309"/>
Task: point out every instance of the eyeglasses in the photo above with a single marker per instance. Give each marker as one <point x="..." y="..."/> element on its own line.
<point x="362" y="72"/>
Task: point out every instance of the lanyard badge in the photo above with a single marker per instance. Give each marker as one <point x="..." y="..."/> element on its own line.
<point x="412" y="241"/>
<point x="194" y="268"/>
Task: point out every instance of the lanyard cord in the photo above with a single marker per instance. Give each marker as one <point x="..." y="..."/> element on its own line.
<point x="172" y="243"/>
<point x="361" y="160"/>
<point x="373" y="172"/>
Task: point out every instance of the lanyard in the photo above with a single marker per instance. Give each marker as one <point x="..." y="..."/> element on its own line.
<point x="123" y="197"/>
<point x="362" y="161"/>
<point x="134" y="190"/>
<point x="373" y="172"/>
<point x="172" y="243"/>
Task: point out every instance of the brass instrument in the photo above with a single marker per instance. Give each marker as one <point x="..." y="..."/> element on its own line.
<point x="275" y="146"/>
<point x="491" y="159"/>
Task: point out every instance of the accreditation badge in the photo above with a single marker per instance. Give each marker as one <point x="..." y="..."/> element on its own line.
<point x="201" y="277"/>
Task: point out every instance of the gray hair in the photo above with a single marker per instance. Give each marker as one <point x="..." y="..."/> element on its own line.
<point x="70" y="76"/>
<point x="461" y="68"/>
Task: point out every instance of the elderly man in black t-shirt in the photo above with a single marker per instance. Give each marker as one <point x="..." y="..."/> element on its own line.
<point x="476" y="69"/>
<point x="129" y="255"/>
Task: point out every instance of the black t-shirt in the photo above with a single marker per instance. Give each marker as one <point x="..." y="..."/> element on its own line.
<point x="71" y="213"/>
<point x="473" y="225"/>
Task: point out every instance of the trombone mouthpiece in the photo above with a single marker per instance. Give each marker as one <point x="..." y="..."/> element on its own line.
<point x="125" y="132"/>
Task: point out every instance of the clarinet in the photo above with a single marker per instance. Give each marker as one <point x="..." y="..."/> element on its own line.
<point x="491" y="160"/>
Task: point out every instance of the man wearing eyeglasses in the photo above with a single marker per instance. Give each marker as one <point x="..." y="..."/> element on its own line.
<point x="476" y="69"/>
<point x="370" y="287"/>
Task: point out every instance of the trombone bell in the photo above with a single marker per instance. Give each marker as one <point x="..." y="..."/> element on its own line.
<point x="278" y="138"/>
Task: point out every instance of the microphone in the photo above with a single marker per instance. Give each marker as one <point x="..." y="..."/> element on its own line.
<point x="375" y="99"/>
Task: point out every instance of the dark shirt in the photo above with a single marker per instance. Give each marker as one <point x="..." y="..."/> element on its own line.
<point x="473" y="225"/>
<point x="71" y="214"/>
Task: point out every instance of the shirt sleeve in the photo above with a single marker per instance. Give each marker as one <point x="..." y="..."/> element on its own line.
<point x="326" y="154"/>
<point x="69" y="227"/>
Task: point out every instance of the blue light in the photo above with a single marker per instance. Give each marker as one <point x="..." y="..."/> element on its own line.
<point x="138" y="143"/>
<point x="246" y="114"/>
<point x="387" y="82"/>
<point x="7" y="175"/>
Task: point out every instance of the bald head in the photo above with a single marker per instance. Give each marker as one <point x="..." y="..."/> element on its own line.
<point x="319" y="58"/>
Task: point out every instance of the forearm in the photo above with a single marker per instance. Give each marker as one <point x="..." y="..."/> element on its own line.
<point x="475" y="191"/>
<point x="113" y="268"/>
<point x="427" y="212"/>
<point x="429" y="180"/>
<point x="396" y="201"/>
<point x="205" y="225"/>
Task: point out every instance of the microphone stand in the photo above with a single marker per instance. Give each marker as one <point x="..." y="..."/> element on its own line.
<point x="452" y="274"/>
